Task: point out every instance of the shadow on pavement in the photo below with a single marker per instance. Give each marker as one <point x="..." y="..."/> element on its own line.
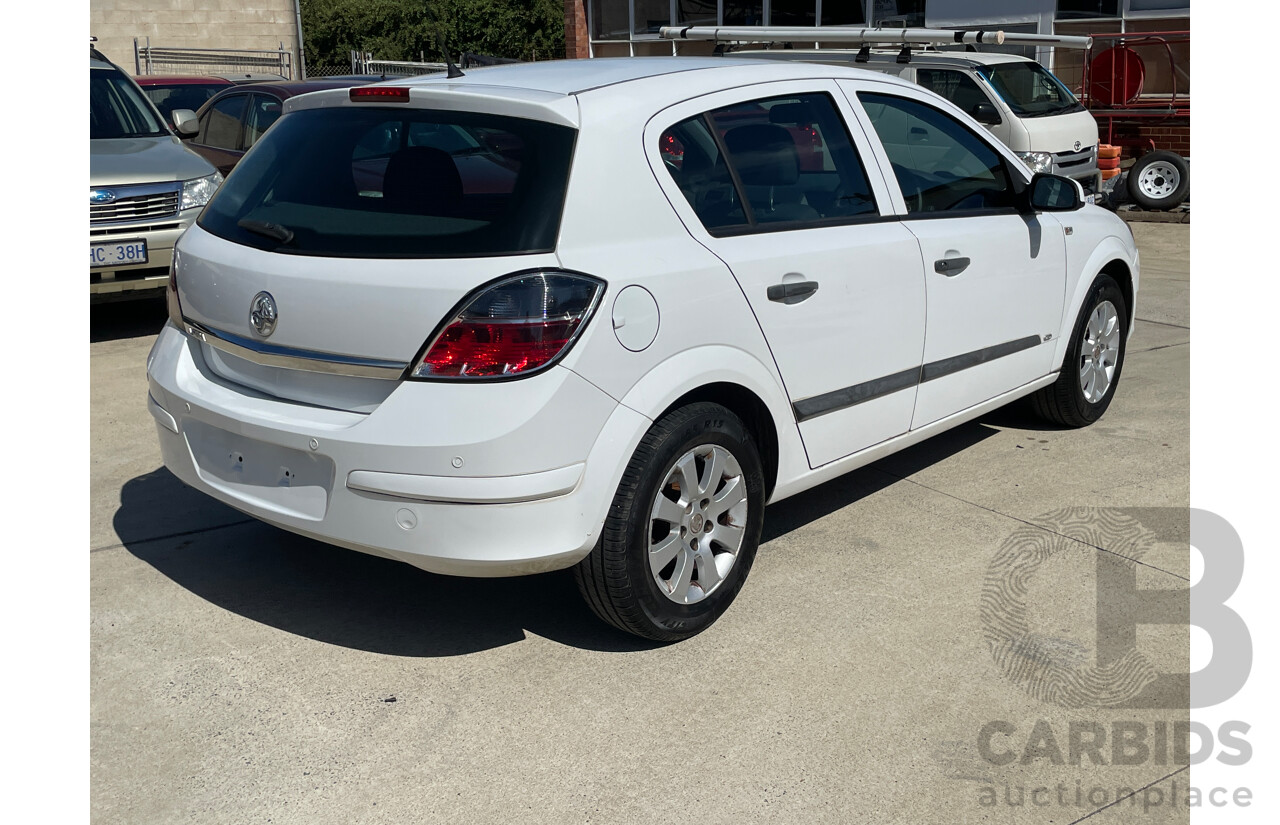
<point x="350" y="599"/>
<point x="127" y="319"/>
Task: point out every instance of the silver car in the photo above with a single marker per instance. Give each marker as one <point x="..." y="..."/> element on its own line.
<point x="145" y="187"/>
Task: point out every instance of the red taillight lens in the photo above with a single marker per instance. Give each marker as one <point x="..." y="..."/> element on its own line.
<point x="515" y="327"/>
<point x="382" y="94"/>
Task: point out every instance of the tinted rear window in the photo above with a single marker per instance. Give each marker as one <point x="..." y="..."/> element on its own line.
<point x="408" y="183"/>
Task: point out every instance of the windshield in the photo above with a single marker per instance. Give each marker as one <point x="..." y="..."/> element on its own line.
<point x="116" y="110"/>
<point x="1029" y="89"/>
<point x="408" y="183"/>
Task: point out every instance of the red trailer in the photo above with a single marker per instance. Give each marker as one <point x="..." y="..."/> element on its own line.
<point x="1137" y="86"/>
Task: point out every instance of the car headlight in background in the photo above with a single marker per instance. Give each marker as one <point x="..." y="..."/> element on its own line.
<point x="1036" y="161"/>
<point x="197" y="192"/>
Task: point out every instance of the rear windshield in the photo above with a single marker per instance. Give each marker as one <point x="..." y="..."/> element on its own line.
<point x="409" y="183"/>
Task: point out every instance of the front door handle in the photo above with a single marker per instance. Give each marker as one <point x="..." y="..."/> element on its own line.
<point x="792" y="293"/>
<point x="951" y="266"/>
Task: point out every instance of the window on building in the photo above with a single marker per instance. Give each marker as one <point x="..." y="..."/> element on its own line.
<point x="651" y="15"/>
<point x="905" y="13"/>
<point x="1160" y="5"/>
<point x="609" y="20"/>
<point x="843" y="14"/>
<point x="696" y="12"/>
<point x="793" y="13"/>
<point x="1068" y="9"/>
<point x="743" y="12"/>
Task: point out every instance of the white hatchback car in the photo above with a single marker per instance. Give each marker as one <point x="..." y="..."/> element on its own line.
<point x="596" y="314"/>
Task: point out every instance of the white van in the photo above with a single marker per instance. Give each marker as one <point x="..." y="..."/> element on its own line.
<point x="1020" y="101"/>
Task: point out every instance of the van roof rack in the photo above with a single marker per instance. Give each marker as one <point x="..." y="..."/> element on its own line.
<point x="905" y="38"/>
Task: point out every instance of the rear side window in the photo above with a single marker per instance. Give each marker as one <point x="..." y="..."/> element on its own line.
<point x="939" y="163"/>
<point x="775" y="163"/>
<point x="413" y="183"/>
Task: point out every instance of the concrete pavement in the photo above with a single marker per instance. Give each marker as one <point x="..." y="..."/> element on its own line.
<point x="243" y="674"/>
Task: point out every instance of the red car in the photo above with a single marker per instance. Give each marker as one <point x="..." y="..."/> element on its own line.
<point x="169" y="92"/>
<point x="232" y="120"/>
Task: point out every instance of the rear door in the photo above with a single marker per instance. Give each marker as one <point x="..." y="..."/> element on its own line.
<point x="995" y="277"/>
<point x="773" y="181"/>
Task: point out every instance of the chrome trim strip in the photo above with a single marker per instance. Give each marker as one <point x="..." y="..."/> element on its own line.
<point x="271" y="355"/>
<point x="138" y="190"/>
<point x="814" y="406"/>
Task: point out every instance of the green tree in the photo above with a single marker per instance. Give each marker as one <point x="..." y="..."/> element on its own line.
<point x="411" y="29"/>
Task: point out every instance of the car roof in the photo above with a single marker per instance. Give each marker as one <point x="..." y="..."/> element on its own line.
<point x="573" y="77"/>
<point x="145" y="80"/>
<point x="284" y="90"/>
<point x="553" y="90"/>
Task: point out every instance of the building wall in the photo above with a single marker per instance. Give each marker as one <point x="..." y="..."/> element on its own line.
<point x="202" y="24"/>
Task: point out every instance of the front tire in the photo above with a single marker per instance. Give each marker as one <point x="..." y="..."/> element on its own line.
<point x="1091" y="368"/>
<point x="683" y="528"/>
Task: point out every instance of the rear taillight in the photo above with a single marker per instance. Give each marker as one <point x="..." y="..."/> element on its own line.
<point x="517" y="326"/>
<point x="381" y="94"/>
<point x="171" y="294"/>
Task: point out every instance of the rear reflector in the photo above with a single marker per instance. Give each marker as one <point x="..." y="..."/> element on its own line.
<point x="382" y="94"/>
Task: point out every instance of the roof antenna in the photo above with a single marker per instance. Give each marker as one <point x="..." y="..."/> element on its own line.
<point x="453" y="71"/>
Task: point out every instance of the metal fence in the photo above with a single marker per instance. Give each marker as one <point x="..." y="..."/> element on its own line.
<point x="148" y="59"/>
<point x="364" y="63"/>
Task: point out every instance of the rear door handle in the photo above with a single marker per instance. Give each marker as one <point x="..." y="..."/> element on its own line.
<point x="951" y="266"/>
<point x="792" y="293"/>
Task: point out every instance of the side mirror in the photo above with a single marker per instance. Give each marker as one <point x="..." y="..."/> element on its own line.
<point x="985" y="113"/>
<point x="1054" y="193"/>
<point x="184" y="120"/>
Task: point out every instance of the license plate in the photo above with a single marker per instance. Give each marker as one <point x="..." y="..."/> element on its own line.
<point x="118" y="253"/>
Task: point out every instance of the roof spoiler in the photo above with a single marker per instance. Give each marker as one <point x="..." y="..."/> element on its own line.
<point x="869" y="37"/>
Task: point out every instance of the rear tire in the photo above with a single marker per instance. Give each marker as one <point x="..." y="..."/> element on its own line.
<point x="1091" y="368"/>
<point x="683" y="528"/>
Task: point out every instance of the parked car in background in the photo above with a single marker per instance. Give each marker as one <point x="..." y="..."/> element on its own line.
<point x="578" y="354"/>
<point x="170" y="92"/>
<point x="233" y="120"/>
<point x="145" y="186"/>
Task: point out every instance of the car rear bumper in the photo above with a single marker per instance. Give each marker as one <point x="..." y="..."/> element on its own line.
<point x="401" y="485"/>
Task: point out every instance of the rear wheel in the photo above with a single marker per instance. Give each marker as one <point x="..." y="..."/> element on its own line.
<point x="683" y="529"/>
<point x="1091" y="368"/>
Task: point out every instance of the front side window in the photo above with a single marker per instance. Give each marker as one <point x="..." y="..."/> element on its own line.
<point x="777" y="163"/>
<point x="116" y="110"/>
<point x="1030" y="89"/>
<point x="940" y="165"/>
<point x="221" y="126"/>
<point x="375" y="182"/>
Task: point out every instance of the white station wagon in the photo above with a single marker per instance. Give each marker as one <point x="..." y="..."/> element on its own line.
<point x="596" y="314"/>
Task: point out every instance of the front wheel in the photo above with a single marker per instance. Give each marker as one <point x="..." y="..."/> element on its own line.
<point x="1091" y="368"/>
<point x="683" y="528"/>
